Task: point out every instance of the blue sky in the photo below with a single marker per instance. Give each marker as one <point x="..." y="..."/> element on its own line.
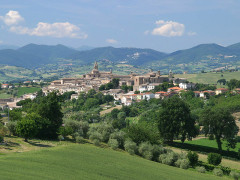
<point x="164" y="25"/>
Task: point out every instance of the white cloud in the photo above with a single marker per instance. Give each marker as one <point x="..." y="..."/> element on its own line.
<point x="168" y="28"/>
<point x="12" y="18"/>
<point x="192" y="33"/>
<point x="112" y="41"/>
<point x="1" y="42"/>
<point x="58" y="30"/>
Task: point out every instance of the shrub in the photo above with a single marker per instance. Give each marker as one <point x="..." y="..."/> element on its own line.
<point x="130" y="147"/>
<point x="95" y="136"/>
<point x="157" y="150"/>
<point x="146" y="150"/>
<point x="182" y="163"/>
<point x="193" y="158"/>
<point x="80" y="140"/>
<point x="120" y="137"/>
<point x="235" y="175"/>
<point x="170" y="158"/>
<point x="201" y="169"/>
<point x="96" y="142"/>
<point x="217" y="172"/>
<point x="105" y="130"/>
<point x="12" y="127"/>
<point x="113" y="143"/>
<point x="214" y="158"/>
<point x="60" y="138"/>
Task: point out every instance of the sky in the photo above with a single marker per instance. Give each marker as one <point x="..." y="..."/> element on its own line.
<point x="163" y="25"/>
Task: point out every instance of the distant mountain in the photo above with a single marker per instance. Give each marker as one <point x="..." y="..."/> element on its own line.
<point x="33" y="55"/>
<point x="51" y="53"/>
<point x="16" y="58"/>
<point x="84" y="48"/>
<point x="197" y="53"/>
<point x="134" y="56"/>
<point x="5" y="46"/>
<point x="235" y="48"/>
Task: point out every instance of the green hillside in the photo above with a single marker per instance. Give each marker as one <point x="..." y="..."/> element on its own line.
<point x="87" y="162"/>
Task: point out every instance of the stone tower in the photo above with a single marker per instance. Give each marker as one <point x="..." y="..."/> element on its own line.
<point x="96" y="65"/>
<point x="170" y="74"/>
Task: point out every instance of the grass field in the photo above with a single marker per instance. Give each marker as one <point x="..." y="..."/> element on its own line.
<point x="88" y="162"/>
<point x="5" y="95"/>
<point x="211" y="143"/>
<point x="209" y="78"/>
<point x="26" y="90"/>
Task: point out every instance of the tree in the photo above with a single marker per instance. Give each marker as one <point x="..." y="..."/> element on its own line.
<point x="174" y="119"/>
<point x="49" y="108"/>
<point x="115" y="83"/>
<point x="220" y="123"/>
<point x="26" y="128"/>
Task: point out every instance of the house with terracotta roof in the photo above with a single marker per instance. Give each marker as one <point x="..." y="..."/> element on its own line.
<point x="203" y="94"/>
<point x="5" y="86"/>
<point x="197" y="93"/>
<point x="175" y="89"/>
<point x="160" y="94"/>
<point x="220" y="91"/>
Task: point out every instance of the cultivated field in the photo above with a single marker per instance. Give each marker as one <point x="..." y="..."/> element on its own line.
<point x="88" y="162"/>
<point x="209" y="78"/>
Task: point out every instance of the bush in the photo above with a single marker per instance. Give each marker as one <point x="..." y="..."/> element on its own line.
<point x="12" y="127"/>
<point x="193" y="158"/>
<point x="201" y="169"/>
<point x="235" y="175"/>
<point x="60" y="138"/>
<point x="80" y="140"/>
<point x="217" y="172"/>
<point x="120" y="137"/>
<point x="95" y="136"/>
<point x="146" y="150"/>
<point x="130" y="147"/>
<point x="157" y="150"/>
<point x="113" y="143"/>
<point x="182" y="163"/>
<point x="170" y="158"/>
<point x="214" y="158"/>
<point x="96" y="142"/>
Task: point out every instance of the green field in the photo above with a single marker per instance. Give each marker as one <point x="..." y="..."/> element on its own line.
<point x="5" y="95"/>
<point x="87" y="162"/>
<point x="211" y="143"/>
<point x="209" y="78"/>
<point x="26" y="90"/>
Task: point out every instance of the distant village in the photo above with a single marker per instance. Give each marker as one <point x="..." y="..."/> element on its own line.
<point x="143" y="87"/>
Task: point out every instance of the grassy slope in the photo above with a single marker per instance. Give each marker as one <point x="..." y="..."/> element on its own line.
<point x="27" y="90"/>
<point x="87" y="162"/>
<point x="209" y="78"/>
<point x="211" y="143"/>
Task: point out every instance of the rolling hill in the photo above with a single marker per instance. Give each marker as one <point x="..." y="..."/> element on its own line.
<point x="133" y="56"/>
<point x="88" y="162"/>
<point x="32" y="56"/>
<point x="200" y="52"/>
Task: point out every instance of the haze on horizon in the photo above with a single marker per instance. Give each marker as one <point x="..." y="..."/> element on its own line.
<point x="164" y="25"/>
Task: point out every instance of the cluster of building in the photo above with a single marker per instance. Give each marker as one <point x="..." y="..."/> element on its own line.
<point x="129" y="98"/>
<point x="96" y="78"/>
